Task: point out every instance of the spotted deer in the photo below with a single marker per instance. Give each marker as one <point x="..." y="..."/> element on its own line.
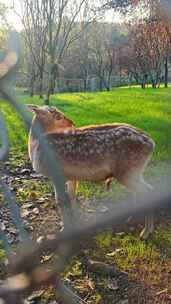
<point x="94" y="153"/>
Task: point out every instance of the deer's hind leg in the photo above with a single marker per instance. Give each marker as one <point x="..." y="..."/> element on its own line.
<point x="148" y="219"/>
<point x="108" y="184"/>
<point x="140" y="188"/>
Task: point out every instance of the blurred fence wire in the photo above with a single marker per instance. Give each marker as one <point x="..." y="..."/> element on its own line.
<point x="26" y="271"/>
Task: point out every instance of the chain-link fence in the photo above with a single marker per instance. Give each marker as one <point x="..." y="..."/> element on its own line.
<point x="27" y="273"/>
<point x="63" y="84"/>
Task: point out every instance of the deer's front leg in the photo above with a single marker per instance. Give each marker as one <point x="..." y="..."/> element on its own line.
<point x="108" y="184"/>
<point x="65" y="210"/>
<point x="72" y="187"/>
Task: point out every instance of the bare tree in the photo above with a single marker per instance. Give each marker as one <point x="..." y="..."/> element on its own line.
<point x="148" y="50"/>
<point x="4" y="26"/>
<point x="51" y="27"/>
<point x="65" y="16"/>
<point x="106" y="41"/>
<point x="35" y="35"/>
<point x="95" y="55"/>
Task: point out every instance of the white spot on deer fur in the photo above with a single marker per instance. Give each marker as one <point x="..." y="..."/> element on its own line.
<point x="66" y="131"/>
<point x="133" y="137"/>
<point x="118" y="133"/>
<point x="118" y="141"/>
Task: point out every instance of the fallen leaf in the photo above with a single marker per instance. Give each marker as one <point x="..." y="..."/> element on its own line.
<point x="113" y="253"/>
<point x="46" y="258"/>
<point x="27" y="205"/>
<point x="40" y="239"/>
<point x="32" y="195"/>
<point x="35" y="211"/>
<point x="113" y="285"/>
<point x="90" y="284"/>
<point x="91" y="210"/>
<point x="161" y="292"/>
<point x="104" y="209"/>
<point x="25" y="213"/>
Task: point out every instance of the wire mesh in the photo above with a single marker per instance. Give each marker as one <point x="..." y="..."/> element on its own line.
<point x="27" y="273"/>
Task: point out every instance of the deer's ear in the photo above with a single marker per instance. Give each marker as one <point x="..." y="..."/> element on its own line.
<point x="32" y="108"/>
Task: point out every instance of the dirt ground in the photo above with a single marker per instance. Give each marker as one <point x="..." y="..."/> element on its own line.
<point x="144" y="282"/>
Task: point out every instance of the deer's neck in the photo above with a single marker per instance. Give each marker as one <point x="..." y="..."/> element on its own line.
<point x="36" y="129"/>
<point x="33" y="142"/>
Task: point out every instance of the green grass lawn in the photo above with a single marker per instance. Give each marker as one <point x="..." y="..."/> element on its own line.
<point x="148" y="109"/>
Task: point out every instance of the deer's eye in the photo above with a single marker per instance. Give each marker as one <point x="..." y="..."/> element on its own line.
<point x="56" y="114"/>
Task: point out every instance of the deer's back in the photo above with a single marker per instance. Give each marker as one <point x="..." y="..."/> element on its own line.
<point x="98" y="152"/>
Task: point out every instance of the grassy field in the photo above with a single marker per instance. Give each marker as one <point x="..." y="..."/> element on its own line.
<point x="147" y="109"/>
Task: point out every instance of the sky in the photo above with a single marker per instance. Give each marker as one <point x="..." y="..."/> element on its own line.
<point x="16" y="23"/>
<point x="12" y="17"/>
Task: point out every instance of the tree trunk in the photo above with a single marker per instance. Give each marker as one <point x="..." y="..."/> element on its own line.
<point x="53" y="84"/>
<point x="52" y="77"/>
<point x="101" y="84"/>
<point x="32" y="82"/>
<point x="108" y="85"/>
<point x="154" y="85"/>
<point x="143" y="82"/>
<point x="31" y="92"/>
<point x="47" y="97"/>
<point x="85" y="84"/>
<point x="50" y="89"/>
<point x="143" y="85"/>
<point x="41" y="85"/>
<point x="166" y="74"/>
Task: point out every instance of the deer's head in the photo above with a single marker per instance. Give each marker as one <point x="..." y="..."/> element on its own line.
<point x="51" y="119"/>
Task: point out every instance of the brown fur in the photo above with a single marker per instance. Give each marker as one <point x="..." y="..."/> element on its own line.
<point x="93" y="153"/>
